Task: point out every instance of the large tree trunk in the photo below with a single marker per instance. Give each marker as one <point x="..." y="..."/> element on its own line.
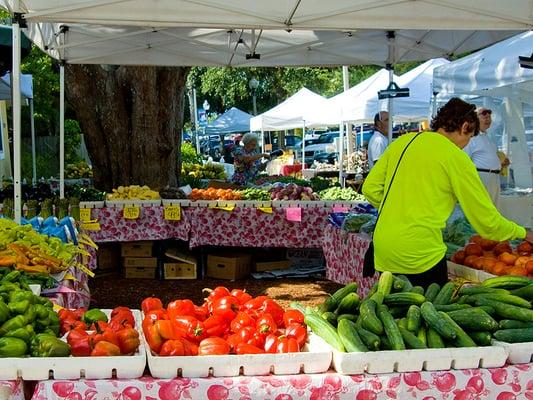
<point x="131" y="118"/>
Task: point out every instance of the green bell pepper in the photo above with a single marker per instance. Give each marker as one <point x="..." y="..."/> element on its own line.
<point x="47" y="345"/>
<point x="25" y="333"/>
<point x="4" y="312"/>
<point x="44" y="301"/>
<point x="7" y="287"/>
<point x="18" y="307"/>
<point x="12" y="347"/>
<point x="41" y="311"/>
<point x="12" y="276"/>
<point x="14" y="323"/>
<point x="93" y="315"/>
<point x="30" y="314"/>
<point x="19" y="295"/>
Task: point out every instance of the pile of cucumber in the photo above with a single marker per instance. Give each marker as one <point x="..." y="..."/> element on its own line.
<point x="397" y="315"/>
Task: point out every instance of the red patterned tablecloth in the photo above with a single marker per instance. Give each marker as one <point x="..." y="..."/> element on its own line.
<point x="149" y="226"/>
<point x="508" y="383"/>
<point x="344" y="253"/>
<point x="250" y="227"/>
<point x="12" y="390"/>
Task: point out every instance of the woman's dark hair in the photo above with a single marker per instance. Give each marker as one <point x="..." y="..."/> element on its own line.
<point x="454" y="114"/>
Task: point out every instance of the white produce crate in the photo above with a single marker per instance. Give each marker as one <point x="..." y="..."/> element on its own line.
<point x="472" y="274"/>
<point x="176" y="202"/>
<point x="307" y="361"/>
<point x="518" y="353"/>
<point x="42" y="368"/>
<point x="139" y="203"/>
<point x="92" y="204"/>
<point x="388" y="361"/>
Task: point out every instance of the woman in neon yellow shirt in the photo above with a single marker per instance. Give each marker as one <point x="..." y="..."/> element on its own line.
<point x="433" y="175"/>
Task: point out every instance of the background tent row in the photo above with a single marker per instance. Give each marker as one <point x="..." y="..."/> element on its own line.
<point x="232" y="121"/>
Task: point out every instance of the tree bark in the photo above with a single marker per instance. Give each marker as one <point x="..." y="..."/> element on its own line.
<point x="132" y="121"/>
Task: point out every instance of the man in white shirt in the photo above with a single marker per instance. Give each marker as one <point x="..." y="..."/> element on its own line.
<point x="483" y="153"/>
<point x="378" y="141"/>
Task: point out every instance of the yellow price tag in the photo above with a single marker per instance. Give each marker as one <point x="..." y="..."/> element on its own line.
<point x="85" y="214"/>
<point x="266" y="210"/>
<point x="92" y="226"/>
<point x="172" y="213"/>
<point x="225" y="208"/>
<point x="131" y="212"/>
<point x="70" y="277"/>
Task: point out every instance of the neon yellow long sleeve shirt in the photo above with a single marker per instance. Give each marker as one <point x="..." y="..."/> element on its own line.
<point x="434" y="174"/>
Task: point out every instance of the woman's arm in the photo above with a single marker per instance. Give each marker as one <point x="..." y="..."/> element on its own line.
<point x="253" y="158"/>
<point x="374" y="185"/>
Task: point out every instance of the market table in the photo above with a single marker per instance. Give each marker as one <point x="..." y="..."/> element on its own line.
<point x="344" y="253"/>
<point x="12" y="390"/>
<point x="509" y="382"/>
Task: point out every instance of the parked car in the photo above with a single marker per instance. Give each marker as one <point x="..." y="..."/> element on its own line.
<point x="324" y="144"/>
<point x="291" y="141"/>
<point x="212" y="147"/>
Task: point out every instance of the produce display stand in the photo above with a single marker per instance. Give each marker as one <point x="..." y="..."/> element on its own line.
<point x="472" y="274"/>
<point x="508" y="382"/>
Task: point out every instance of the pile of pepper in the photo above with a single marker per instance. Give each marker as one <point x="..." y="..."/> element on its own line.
<point x="114" y="337"/>
<point x="228" y="322"/>
<point x="28" y="323"/>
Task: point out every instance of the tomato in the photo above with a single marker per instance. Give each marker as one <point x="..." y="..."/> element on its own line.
<point x="179" y="308"/>
<point x="298" y="332"/>
<point x="266" y="324"/>
<point x="151" y="303"/>
<point x="271" y="343"/>
<point x="241" y="295"/>
<point x="189" y="327"/>
<point x="227" y="306"/>
<point x="241" y="320"/>
<point x="245" y="348"/>
<point x="213" y="346"/>
<point x="287" y="345"/>
<point x="293" y="316"/>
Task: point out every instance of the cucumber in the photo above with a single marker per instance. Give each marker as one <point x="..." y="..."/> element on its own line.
<point x="462" y="339"/>
<point x="330" y="317"/>
<point x="434" y="339"/>
<point x="404" y="299"/>
<point x="325" y="330"/>
<point x="385" y="343"/>
<point x="432" y="291"/>
<point x="371" y="340"/>
<point x="489" y="310"/>
<point x="507" y="282"/>
<point x="398" y="311"/>
<point x="332" y="302"/>
<point x="474" y="319"/>
<point x="482" y="338"/>
<point x="407" y="283"/>
<point x="514" y="335"/>
<point x="402" y="322"/>
<point x="398" y="284"/>
<point x="414" y="317"/>
<point x="372" y="290"/>
<point x="514" y="324"/>
<point x="465" y="290"/>
<point x="451" y="307"/>
<point x="391" y="329"/>
<point x="507" y="311"/>
<point x="348" y="304"/>
<point x="504" y="298"/>
<point x="349" y="317"/>
<point x="385" y="282"/>
<point x="411" y="340"/>
<point x="349" y="336"/>
<point x="418" y="289"/>
<point x="435" y="321"/>
<point x="422" y="335"/>
<point x="445" y="295"/>
<point x="377" y="298"/>
<point x="462" y="299"/>
<point x="369" y="319"/>
<point x="526" y="292"/>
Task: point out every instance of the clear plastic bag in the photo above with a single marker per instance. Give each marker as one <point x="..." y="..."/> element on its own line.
<point x="354" y="222"/>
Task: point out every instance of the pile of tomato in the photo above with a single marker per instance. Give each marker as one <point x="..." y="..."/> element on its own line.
<point x="228" y="322"/>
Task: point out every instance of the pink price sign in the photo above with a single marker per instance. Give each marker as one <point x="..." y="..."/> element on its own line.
<point x="293" y="214"/>
<point x="340" y="209"/>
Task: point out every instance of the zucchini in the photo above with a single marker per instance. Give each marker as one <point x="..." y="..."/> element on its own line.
<point x="333" y="301"/>
<point x="507" y="282"/>
<point x="482" y="338"/>
<point x="435" y="321"/>
<point x="414" y="317"/>
<point x="434" y="339"/>
<point x="474" y="319"/>
<point x="385" y="282"/>
<point x="465" y="290"/>
<point x="349" y="336"/>
<point x="349" y="317"/>
<point x="514" y="324"/>
<point x="412" y="341"/>
<point x="324" y="329"/>
<point x="462" y="339"/>
<point x="422" y="335"/>
<point x="348" y="304"/>
<point x="417" y="289"/>
<point x="451" y="307"/>
<point x="504" y="298"/>
<point x="369" y="319"/>
<point x="507" y="311"/>
<point x="398" y="311"/>
<point x="391" y="329"/>
<point x="514" y="335"/>
<point x="525" y="292"/>
<point x="330" y="317"/>
<point x="404" y="299"/>
<point x="445" y="295"/>
<point x="432" y="291"/>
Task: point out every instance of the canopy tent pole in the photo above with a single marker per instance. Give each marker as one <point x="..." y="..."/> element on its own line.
<point x="263" y="140"/>
<point x="15" y="80"/>
<point x="390" y="67"/>
<point x="361" y="135"/>
<point x="33" y="159"/>
<point x="303" y="141"/>
<point x="62" y="131"/>
<point x="341" y="154"/>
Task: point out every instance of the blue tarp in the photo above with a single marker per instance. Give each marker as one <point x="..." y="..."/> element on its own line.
<point x="232" y="121"/>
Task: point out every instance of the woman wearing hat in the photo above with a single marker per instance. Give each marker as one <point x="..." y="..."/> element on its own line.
<point x="247" y="160"/>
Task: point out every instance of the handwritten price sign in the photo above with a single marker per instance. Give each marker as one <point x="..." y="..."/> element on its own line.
<point x="132" y="212"/>
<point x="85" y="214"/>
<point x="172" y="213"/>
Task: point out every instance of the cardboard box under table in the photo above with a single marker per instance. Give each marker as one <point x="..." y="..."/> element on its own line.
<point x="271" y="265"/>
<point x="137" y="249"/>
<point x="140" y="267"/>
<point x="182" y="266"/>
<point x="228" y="265"/>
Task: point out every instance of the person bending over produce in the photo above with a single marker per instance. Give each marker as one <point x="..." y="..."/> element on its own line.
<point x="247" y="160"/>
<point x="432" y="176"/>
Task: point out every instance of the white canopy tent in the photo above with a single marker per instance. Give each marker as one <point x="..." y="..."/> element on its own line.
<point x="495" y="71"/>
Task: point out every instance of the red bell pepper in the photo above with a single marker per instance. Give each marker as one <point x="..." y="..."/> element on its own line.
<point x="128" y="340"/>
<point x="271" y="307"/>
<point x="154" y="339"/>
<point x="213" y="346"/>
<point x="298" y="332"/>
<point x="215" y="325"/>
<point x="216" y="293"/>
<point x="271" y="343"/>
<point x="124" y="317"/>
<point x="292" y="316"/>
<point x="105" y="349"/>
<point x="266" y="324"/>
<point x="179" y="308"/>
<point x="69" y="324"/>
<point x="241" y="320"/>
<point x="167" y="330"/>
<point x="245" y="348"/>
<point x="79" y="342"/>
<point x="241" y="295"/>
<point x="65" y="314"/>
<point x="190" y="328"/>
<point x="78" y="313"/>
<point x="227" y="306"/>
<point x="201" y="312"/>
<point x="120" y="309"/>
<point x="173" y="347"/>
<point x="287" y="345"/>
<point x="106" y="335"/>
<point x="151" y="303"/>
